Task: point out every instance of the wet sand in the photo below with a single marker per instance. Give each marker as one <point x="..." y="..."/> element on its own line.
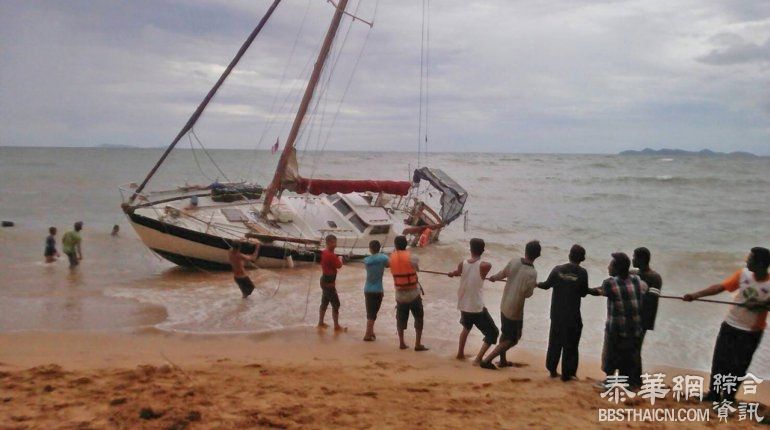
<point x="287" y="379"/>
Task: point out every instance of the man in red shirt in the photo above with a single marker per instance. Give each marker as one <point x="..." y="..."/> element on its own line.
<point x="330" y="262"/>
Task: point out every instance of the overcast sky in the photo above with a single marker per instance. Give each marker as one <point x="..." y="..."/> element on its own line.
<point x="505" y="75"/>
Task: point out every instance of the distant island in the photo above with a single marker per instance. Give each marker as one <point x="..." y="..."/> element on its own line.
<point x="666" y="152"/>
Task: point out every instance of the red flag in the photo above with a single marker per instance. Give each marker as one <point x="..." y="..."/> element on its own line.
<point x="274" y="149"/>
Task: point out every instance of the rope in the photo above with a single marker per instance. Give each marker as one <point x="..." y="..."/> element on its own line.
<point x="721" y="302"/>
<point x="433" y="272"/>
<point x="307" y="296"/>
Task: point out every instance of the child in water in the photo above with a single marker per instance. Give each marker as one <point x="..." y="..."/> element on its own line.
<point x="50" y="253"/>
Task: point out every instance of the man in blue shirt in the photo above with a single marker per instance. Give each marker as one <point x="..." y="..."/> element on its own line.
<point x="373" y="292"/>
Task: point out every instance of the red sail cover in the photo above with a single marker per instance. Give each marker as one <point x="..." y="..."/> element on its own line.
<point x="331" y="186"/>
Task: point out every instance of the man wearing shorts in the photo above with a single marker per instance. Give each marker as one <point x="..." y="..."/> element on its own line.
<point x="373" y="291"/>
<point x="237" y="262"/>
<point x="521" y="281"/>
<point x="404" y="267"/>
<point x="330" y="263"/>
<point x="470" y="301"/>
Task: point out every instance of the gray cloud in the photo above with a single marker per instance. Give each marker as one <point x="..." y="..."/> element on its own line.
<point x="554" y="76"/>
<point x="735" y="50"/>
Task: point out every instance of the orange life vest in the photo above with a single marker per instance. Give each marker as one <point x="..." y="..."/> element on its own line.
<point x="404" y="275"/>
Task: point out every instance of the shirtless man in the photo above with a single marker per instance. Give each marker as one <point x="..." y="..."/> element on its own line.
<point x="238" y="261"/>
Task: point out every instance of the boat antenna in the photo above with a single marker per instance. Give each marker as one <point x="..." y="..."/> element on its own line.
<point x="202" y="106"/>
<point x="275" y="184"/>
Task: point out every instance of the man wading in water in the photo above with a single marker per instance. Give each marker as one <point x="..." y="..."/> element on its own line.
<point x="71" y="244"/>
<point x="237" y="261"/>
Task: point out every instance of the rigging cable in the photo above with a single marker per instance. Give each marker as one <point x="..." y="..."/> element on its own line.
<point x="427" y="76"/>
<point x="272" y="116"/>
<point x="195" y="157"/>
<point x="205" y="151"/>
<point x="347" y="86"/>
<point x="422" y="68"/>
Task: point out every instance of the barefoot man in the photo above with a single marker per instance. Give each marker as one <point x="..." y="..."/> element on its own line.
<point x="521" y="280"/>
<point x="330" y="263"/>
<point x="404" y="267"/>
<point x="237" y="261"/>
<point x="373" y="291"/>
<point x="470" y="300"/>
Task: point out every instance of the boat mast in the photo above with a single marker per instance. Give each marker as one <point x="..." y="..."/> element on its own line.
<point x="275" y="184"/>
<point x="199" y="111"/>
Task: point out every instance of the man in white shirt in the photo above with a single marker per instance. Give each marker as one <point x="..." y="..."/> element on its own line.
<point x="470" y="300"/>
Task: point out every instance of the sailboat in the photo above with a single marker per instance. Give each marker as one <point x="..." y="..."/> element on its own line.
<point x="292" y="216"/>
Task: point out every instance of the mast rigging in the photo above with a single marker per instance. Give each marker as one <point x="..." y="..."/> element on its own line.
<point x="202" y="106"/>
<point x="288" y="150"/>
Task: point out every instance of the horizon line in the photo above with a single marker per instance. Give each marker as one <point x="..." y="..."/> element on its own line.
<point x="113" y="147"/>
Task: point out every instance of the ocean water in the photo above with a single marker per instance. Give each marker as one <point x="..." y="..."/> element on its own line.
<point x="699" y="216"/>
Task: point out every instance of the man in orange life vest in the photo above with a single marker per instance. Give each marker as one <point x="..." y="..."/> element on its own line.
<point x="404" y="268"/>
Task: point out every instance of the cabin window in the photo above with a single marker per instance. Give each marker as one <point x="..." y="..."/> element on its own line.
<point x="358" y="222"/>
<point x="332" y="198"/>
<point x="331" y="224"/>
<point x="380" y="229"/>
<point x="343" y="207"/>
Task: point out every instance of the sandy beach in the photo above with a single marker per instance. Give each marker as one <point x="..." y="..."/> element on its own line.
<point x="288" y="379"/>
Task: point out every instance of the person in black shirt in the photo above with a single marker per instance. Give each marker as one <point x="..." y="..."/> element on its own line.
<point x="570" y="284"/>
<point x="653" y="280"/>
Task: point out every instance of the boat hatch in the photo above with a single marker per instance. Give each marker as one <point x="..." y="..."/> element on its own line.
<point x="234" y="215"/>
<point x="372" y="215"/>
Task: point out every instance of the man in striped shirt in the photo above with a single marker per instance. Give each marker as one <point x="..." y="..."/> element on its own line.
<point x="623" y="330"/>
